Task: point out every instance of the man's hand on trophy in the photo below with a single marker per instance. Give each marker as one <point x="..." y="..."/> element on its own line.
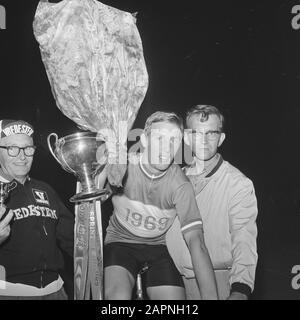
<point x="101" y="160"/>
<point x="99" y="166"/>
<point x="106" y="148"/>
<point x="116" y="154"/>
<point x="4" y="223"/>
<point x="101" y="155"/>
<point x="110" y="147"/>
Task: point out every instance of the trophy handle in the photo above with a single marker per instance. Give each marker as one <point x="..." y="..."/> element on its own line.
<point x="50" y="146"/>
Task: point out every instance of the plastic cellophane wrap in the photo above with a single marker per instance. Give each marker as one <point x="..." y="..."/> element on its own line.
<point x="93" y="57"/>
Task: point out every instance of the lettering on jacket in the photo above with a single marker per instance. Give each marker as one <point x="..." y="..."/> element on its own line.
<point x="31" y="210"/>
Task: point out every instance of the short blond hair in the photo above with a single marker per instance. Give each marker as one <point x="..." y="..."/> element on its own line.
<point x="161" y="116"/>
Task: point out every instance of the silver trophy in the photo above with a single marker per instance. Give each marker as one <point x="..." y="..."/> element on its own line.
<point x="76" y="153"/>
<point x="5" y="188"/>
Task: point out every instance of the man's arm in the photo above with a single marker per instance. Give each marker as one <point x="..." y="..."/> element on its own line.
<point x="201" y="264"/>
<point x="243" y="230"/>
<point x="192" y="249"/>
<point x="101" y="178"/>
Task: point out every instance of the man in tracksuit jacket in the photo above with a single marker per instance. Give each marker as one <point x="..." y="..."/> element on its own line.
<point x="228" y="207"/>
<point x="35" y="225"/>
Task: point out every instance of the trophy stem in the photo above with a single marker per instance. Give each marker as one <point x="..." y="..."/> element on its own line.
<point x="89" y="191"/>
<point x="87" y="183"/>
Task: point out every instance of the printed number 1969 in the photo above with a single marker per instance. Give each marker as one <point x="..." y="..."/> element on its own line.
<point x="149" y="222"/>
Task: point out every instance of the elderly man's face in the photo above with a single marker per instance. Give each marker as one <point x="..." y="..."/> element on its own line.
<point x="17" y="167"/>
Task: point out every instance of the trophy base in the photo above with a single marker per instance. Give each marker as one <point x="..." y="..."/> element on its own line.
<point x="89" y="196"/>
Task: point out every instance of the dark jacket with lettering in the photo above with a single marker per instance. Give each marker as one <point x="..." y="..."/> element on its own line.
<point x="41" y="224"/>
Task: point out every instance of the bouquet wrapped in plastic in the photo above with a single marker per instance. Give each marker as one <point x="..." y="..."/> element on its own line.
<point x="94" y="60"/>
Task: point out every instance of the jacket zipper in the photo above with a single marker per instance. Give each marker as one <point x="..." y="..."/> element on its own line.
<point x="42" y="272"/>
<point x="45" y="230"/>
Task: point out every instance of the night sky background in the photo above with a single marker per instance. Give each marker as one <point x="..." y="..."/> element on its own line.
<point x="241" y="56"/>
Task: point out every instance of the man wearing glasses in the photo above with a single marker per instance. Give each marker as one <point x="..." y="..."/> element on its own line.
<point x="228" y="207"/>
<point x="32" y="221"/>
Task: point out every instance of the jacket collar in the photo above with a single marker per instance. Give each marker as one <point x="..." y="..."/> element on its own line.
<point x="216" y="167"/>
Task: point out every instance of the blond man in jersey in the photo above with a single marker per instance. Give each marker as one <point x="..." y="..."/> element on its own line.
<point x="155" y="192"/>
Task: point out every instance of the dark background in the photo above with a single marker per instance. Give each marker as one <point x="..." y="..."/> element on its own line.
<point x="242" y="56"/>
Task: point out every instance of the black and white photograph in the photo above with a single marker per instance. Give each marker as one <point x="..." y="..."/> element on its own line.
<point x="149" y="151"/>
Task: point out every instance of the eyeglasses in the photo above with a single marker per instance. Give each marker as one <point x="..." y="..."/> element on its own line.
<point x="210" y="135"/>
<point x="14" y="151"/>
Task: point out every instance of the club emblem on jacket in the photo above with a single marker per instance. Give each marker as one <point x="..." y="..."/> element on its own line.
<point x="40" y="196"/>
